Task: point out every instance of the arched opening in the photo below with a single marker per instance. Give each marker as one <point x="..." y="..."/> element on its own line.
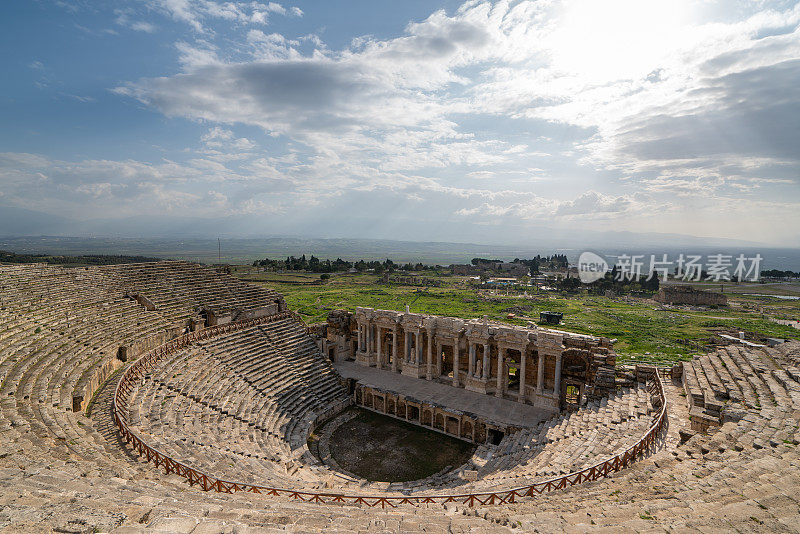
<point x="446" y="360"/>
<point x="572" y="394"/>
<point x="512" y="370"/>
<point x="426" y="417"/>
<point x="452" y="425"/>
<point x="439" y="421"/>
<point x="466" y="430"/>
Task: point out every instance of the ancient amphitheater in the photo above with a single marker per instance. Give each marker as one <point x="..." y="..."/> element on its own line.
<point x="171" y="397"/>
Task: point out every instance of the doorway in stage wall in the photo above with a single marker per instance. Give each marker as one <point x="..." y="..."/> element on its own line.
<point x="494" y="436"/>
<point x="447" y="361"/>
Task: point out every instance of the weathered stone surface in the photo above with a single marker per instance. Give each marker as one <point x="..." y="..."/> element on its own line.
<point x="62" y="471"/>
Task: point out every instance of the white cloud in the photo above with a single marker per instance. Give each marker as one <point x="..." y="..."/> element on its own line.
<point x="197" y="13"/>
<point x="141" y="26"/>
<point x="567" y="110"/>
<point x="592" y="203"/>
<point x="125" y="17"/>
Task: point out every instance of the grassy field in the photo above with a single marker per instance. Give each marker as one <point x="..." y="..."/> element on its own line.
<point x="643" y="329"/>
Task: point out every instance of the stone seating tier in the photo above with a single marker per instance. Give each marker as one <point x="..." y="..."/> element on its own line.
<point x="240" y="405"/>
<point x="65" y="471"/>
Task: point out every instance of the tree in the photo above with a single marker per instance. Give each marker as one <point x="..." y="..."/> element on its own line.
<point x="652" y="284"/>
<point x="570" y="284"/>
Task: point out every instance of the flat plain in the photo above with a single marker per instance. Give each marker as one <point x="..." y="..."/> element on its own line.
<point x="645" y="329"/>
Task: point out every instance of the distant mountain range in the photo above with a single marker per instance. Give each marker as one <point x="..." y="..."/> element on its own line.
<point x="23" y="222"/>
<point x="246" y="250"/>
<point x="195" y="239"/>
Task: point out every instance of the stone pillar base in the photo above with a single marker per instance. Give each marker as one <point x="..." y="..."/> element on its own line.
<point x="478" y="385"/>
<point x="545" y="399"/>
<point x="366" y="359"/>
<point x="412" y="369"/>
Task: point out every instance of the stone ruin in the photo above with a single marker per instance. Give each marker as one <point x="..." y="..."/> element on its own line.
<point x="239" y="405"/>
<point x="475" y="354"/>
<point x="690" y="295"/>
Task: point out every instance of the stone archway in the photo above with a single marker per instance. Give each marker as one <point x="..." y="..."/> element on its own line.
<point x="439" y="421"/>
<point x="426" y="417"/>
<point x="466" y="430"/>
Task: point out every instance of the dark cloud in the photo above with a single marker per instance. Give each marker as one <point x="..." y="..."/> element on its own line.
<point x="755" y="113"/>
<point x="262" y="93"/>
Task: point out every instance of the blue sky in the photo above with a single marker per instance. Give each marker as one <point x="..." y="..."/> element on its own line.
<point x="473" y="121"/>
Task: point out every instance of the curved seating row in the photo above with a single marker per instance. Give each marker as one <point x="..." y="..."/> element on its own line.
<point x="740" y="476"/>
<point x="241" y="405"/>
<point x="60" y="470"/>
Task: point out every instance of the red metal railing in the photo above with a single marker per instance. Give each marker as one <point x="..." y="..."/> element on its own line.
<point x="640" y="449"/>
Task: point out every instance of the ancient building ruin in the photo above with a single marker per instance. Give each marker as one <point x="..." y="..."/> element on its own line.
<point x="690" y="295"/>
<point x="205" y="427"/>
<point x="542" y="367"/>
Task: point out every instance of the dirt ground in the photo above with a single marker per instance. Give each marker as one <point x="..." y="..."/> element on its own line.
<point x="380" y="448"/>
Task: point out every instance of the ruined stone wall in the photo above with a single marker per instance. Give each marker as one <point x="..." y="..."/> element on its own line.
<point x="691" y="296"/>
<point x="468" y="427"/>
<point x="529" y="364"/>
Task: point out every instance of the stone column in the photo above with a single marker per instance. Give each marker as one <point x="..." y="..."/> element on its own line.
<point x="486" y="360"/>
<point x="438" y="359"/>
<point x="524" y="358"/>
<point x="369" y="338"/>
<point x="417" y="348"/>
<point x="456" y="362"/>
<point x="394" y="349"/>
<point x="557" y="382"/>
<point x="500" y="355"/>
<point x="540" y="377"/>
<point x="407" y="351"/>
<point x="471" y="364"/>
<point x="378" y="362"/>
<point x="429" y="371"/>
<point x="360" y="330"/>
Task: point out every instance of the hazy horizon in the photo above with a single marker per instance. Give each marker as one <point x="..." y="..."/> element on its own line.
<point x="246" y="250"/>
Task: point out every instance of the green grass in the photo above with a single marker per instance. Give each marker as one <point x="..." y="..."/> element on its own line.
<point x="638" y="325"/>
